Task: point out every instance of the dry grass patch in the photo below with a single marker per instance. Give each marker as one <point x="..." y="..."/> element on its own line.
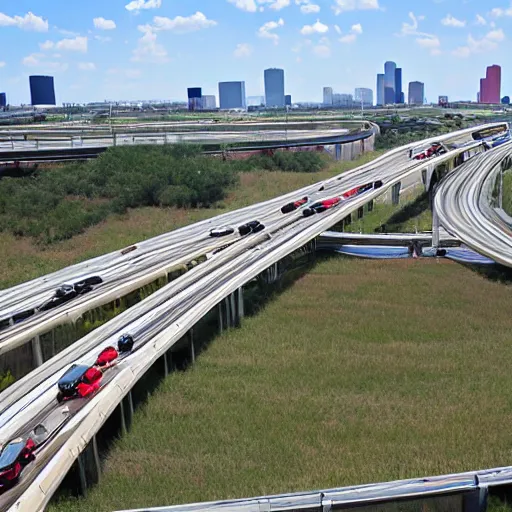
<point x="363" y="371"/>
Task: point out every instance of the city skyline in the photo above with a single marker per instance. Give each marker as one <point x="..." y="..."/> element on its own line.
<point x="153" y="49"/>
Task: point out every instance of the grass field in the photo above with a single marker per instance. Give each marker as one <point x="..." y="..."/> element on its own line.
<point x="507" y="192"/>
<point x="363" y="371"/>
<point x="21" y="259"/>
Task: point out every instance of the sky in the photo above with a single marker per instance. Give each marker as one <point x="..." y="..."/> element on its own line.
<point x="154" y="49"/>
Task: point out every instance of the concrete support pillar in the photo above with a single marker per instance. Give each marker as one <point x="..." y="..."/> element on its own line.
<point x="228" y="312"/>
<point x="221" y="320"/>
<point x="192" y="346"/>
<point x="165" y="364"/>
<point x="234" y="311"/>
<point x="89" y="466"/>
<point x="37" y="352"/>
<point x="126" y="411"/>
<point x="435" y="227"/>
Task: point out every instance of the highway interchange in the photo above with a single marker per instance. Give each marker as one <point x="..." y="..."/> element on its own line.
<point x="162" y="319"/>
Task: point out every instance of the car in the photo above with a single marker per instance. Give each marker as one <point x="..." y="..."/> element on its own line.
<point x="254" y="226"/>
<point x="14" y="456"/>
<point x="222" y="231"/>
<point x="321" y="206"/>
<point x="361" y="189"/>
<point x="68" y="292"/>
<point x="435" y="149"/>
<point x="290" y="207"/>
<point x="79" y="381"/>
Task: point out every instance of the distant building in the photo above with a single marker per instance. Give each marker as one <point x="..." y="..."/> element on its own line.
<point x="443" y="101"/>
<point x="380" y="89"/>
<point x="328" y="96"/>
<point x="398" y="86"/>
<point x="389" y="82"/>
<point x="256" y="101"/>
<point x="3" y="99"/>
<point x="363" y="96"/>
<point x="274" y="88"/>
<point x="195" y="95"/>
<point x="232" y="95"/>
<point x="416" y="93"/>
<point x="342" y="100"/>
<point x="42" y="90"/>
<point x="490" y="86"/>
<point x="288" y="100"/>
<point x="505" y="100"/>
<point x="209" y="102"/>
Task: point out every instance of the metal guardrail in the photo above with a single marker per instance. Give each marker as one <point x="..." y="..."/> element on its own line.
<point x="474" y="485"/>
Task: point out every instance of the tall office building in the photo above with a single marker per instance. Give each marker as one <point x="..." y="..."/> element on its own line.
<point x="389" y="82"/>
<point x="490" y="86"/>
<point x="399" y="96"/>
<point x="328" y="96"/>
<point x="288" y="100"/>
<point x="3" y="99"/>
<point x="416" y="93"/>
<point x="42" y="90"/>
<point x="274" y="88"/>
<point x="194" y="98"/>
<point x="380" y="89"/>
<point x="232" y="95"/>
<point x="209" y="102"/>
<point x="363" y="96"/>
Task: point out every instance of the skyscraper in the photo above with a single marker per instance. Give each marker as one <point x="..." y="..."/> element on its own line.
<point x="194" y="98"/>
<point x="398" y="86"/>
<point x="490" y="86"/>
<point x="209" y="102"/>
<point x="416" y="93"/>
<point x="364" y="96"/>
<point x="328" y="96"/>
<point x="380" y="89"/>
<point x="389" y="82"/>
<point x="42" y="90"/>
<point x="274" y="88"/>
<point x="232" y="95"/>
<point x="288" y="100"/>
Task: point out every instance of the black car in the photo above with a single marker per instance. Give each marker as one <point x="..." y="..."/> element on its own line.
<point x="254" y="226"/>
<point x="79" y="381"/>
<point x="67" y="292"/>
<point x="222" y="231"/>
<point x="14" y="456"/>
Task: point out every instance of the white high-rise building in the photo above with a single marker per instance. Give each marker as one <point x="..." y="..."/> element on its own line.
<point x="363" y="96"/>
<point x="209" y="102"/>
<point x="328" y="96"/>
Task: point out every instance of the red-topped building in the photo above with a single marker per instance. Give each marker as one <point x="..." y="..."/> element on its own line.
<point x="490" y="86"/>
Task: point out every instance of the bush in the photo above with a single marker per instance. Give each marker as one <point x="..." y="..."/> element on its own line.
<point x="55" y="204"/>
<point x="287" y="161"/>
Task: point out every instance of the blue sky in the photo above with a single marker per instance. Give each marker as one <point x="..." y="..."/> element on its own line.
<point x="154" y="49"/>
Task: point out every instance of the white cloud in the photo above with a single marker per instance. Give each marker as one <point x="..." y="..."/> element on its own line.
<point x="337" y="28"/>
<point x="181" y="24"/>
<point x="348" y="39"/>
<point x="243" y="50"/>
<point x="103" y="24"/>
<point x="307" y="7"/>
<point x="423" y="39"/>
<point x="316" y="28"/>
<point x="354" y="5"/>
<point x="137" y="5"/>
<point x="87" y="66"/>
<point x="2" y="64"/>
<point x="322" y="50"/>
<point x="485" y="44"/>
<point x="38" y="60"/>
<point x="450" y="21"/>
<point x="266" y="30"/>
<point x="125" y="73"/>
<point x="78" y="44"/>
<point x="357" y="29"/>
<point x="255" y="5"/>
<point x="480" y="20"/>
<point x="245" y="5"/>
<point x="148" y="49"/>
<point x="103" y="39"/>
<point x="28" y="22"/>
<point x="498" y="12"/>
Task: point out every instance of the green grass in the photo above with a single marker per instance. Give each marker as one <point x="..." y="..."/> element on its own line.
<point x="21" y="259"/>
<point x="507" y="192"/>
<point x="363" y="371"/>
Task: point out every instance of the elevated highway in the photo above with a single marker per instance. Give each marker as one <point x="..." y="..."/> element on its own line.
<point x="162" y="320"/>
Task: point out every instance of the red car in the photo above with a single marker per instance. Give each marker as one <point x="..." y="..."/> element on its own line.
<point x="321" y="206"/>
<point x="14" y="456"/>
